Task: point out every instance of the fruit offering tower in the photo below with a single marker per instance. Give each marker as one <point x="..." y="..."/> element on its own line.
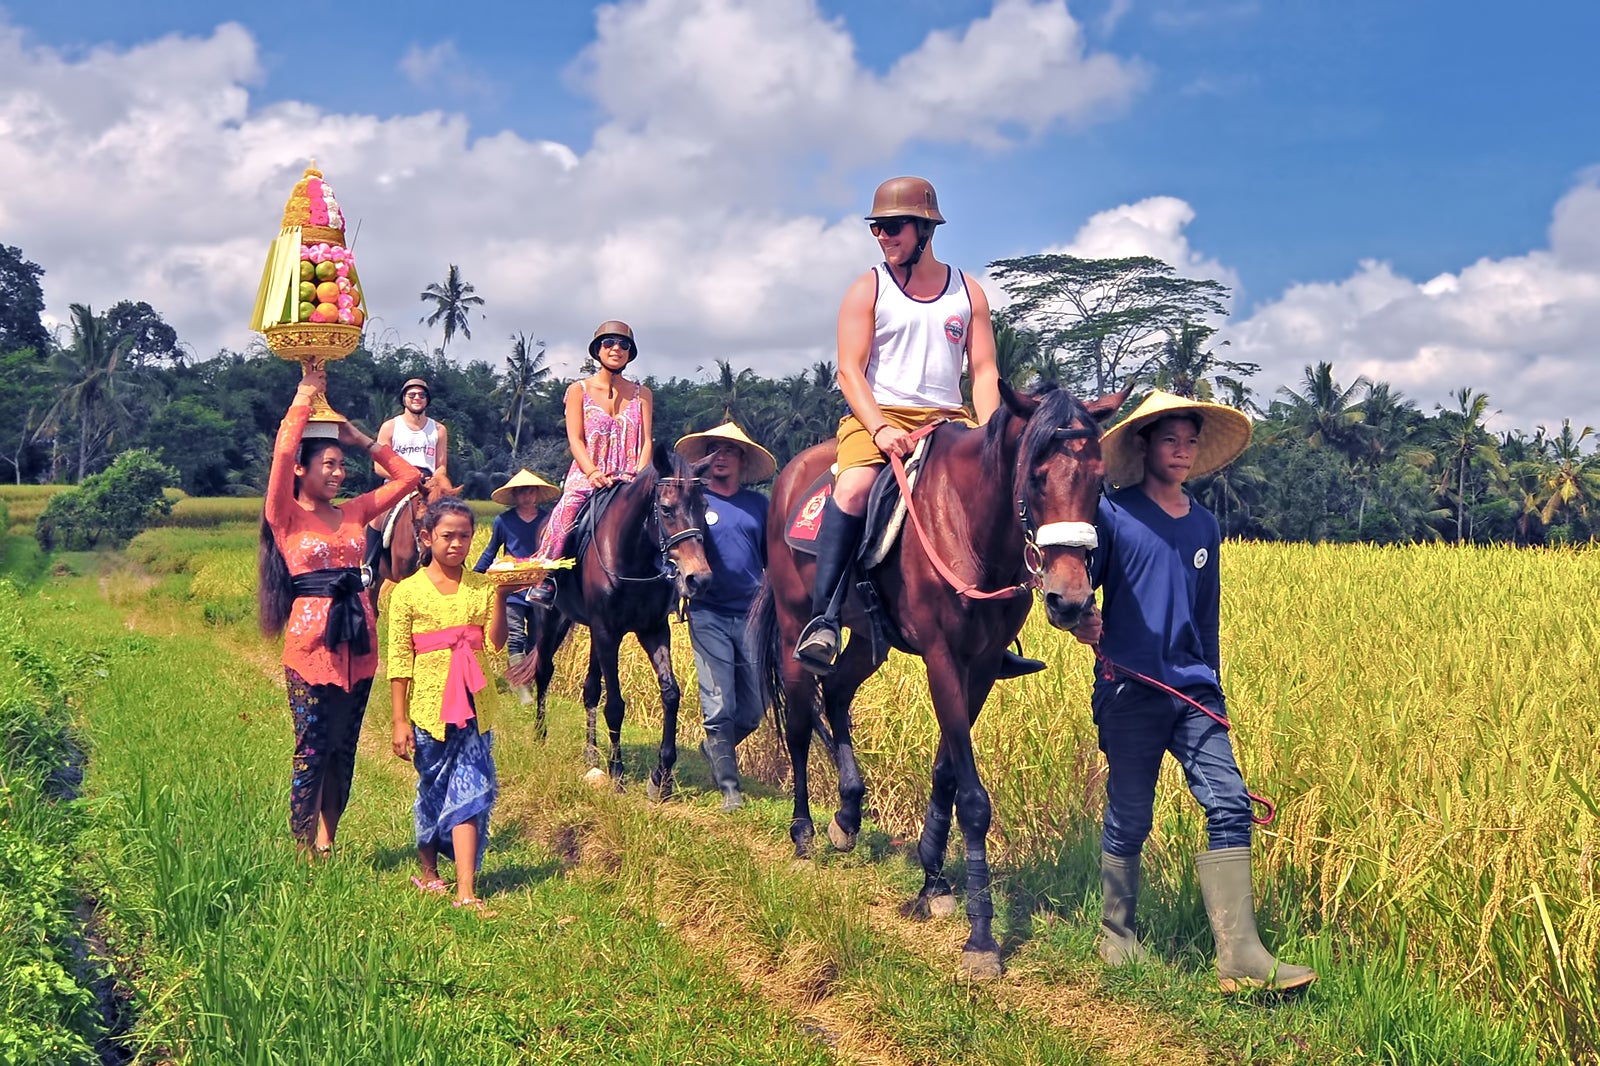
<point x="309" y="303"/>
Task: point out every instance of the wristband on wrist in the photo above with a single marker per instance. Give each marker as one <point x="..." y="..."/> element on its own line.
<point x="881" y="427"/>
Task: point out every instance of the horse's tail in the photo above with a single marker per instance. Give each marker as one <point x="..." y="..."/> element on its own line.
<point x="765" y="640"/>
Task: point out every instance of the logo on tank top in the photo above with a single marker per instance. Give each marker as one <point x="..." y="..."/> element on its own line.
<point x="954" y="329"/>
<point x="1200" y="557"/>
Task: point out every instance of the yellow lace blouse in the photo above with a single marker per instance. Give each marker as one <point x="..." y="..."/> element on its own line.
<point x="417" y="606"/>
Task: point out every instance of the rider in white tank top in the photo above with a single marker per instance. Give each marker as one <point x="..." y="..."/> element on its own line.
<point x="919" y="347"/>
<point x="419" y="447"/>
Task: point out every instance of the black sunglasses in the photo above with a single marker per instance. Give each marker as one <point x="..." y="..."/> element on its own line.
<point x="617" y="342"/>
<point x="889" y="227"/>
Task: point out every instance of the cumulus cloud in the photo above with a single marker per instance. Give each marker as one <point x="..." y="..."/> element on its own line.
<point x="1154" y="227"/>
<point x="705" y="208"/>
<point x="1521" y="329"/>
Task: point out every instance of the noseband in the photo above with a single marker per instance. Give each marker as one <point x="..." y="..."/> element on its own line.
<point x="1053" y="534"/>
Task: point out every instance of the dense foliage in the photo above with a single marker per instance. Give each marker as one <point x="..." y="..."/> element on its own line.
<point x="110" y="508"/>
<point x="1329" y="463"/>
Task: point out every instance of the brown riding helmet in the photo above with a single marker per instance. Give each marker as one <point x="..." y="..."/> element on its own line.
<point x="418" y="382"/>
<point x="906" y="197"/>
<point x="613" y="328"/>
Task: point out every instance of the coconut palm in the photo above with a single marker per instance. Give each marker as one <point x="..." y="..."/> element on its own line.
<point x="92" y="397"/>
<point x="453" y="301"/>
<point x="1463" y="445"/>
<point x="1326" y="413"/>
<point x="525" y="374"/>
<point x="1570" y="484"/>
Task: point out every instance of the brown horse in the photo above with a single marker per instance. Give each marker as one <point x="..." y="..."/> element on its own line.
<point x="647" y="553"/>
<point x="1011" y="504"/>
<point x="401" y="559"/>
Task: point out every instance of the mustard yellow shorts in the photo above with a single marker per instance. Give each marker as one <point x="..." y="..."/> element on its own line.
<point x="855" y="443"/>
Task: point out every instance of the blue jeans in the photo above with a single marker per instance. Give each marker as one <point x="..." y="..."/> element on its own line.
<point x="517" y="626"/>
<point x="730" y="692"/>
<point x="1138" y="724"/>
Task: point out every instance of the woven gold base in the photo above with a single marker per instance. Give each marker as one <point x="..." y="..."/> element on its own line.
<point x="303" y="341"/>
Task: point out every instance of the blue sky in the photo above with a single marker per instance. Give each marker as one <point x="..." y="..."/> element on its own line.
<point x="1306" y="139"/>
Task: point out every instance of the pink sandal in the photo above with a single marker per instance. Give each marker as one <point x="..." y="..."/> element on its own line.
<point x="433" y="887"/>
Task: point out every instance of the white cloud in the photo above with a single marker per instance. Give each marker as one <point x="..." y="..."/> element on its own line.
<point x="1521" y="329"/>
<point x="1154" y="227"/>
<point x="147" y="172"/>
<point x="440" y="66"/>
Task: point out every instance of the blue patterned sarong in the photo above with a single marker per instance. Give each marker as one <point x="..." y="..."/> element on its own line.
<point x="456" y="783"/>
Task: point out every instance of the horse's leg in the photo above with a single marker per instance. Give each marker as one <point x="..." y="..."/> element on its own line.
<point x="548" y="633"/>
<point x="980" y="956"/>
<point x="800" y="702"/>
<point x="936" y="900"/>
<point x="591" y="704"/>
<point x="838" y="690"/>
<point x="604" y="648"/>
<point x="658" y="645"/>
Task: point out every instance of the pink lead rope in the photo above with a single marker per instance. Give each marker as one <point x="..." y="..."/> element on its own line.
<point x="1110" y="672"/>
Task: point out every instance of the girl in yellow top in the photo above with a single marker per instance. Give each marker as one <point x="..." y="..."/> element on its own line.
<point x="442" y="621"/>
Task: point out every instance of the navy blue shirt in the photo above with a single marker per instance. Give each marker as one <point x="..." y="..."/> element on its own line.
<point x="517" y="537"/>
<point x="736" y="548"/>
<point x="1160" y="593"/>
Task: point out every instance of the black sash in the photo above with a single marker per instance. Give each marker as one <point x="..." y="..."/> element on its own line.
<point x="347" y="619"/>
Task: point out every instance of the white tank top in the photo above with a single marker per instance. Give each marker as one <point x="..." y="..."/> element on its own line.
<point x="919" y="347"/>
<point x="419" y="447"/>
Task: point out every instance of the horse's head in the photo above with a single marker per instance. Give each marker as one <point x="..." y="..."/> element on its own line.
<point x="680" y="518"/>
<point x="1057" y="487"/>
<point x="438" y="487"/>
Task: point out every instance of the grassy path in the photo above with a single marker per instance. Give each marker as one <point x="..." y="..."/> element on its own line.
<point x="627" y="932"/>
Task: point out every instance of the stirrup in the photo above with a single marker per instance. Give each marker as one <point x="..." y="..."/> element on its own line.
<point x="543" y="594"/>
<point x="818" y="647"/>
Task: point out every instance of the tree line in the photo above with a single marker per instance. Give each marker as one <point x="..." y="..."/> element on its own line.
<point x="1330" y="461"/>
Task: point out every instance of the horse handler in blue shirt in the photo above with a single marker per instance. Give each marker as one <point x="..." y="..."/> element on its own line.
<point x="1156" y="637"/>
<point x="516" y="530"/>
<point x="736" y="548"/>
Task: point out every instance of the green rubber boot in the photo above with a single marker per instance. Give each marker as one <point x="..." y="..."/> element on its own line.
<point x="1242" y="962"/>
<point x="1119" y="884"/>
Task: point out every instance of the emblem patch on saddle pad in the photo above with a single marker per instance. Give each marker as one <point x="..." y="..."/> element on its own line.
<point x="807" y="523"/>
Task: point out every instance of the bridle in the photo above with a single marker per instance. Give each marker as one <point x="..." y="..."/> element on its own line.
<point x="1034" y="538"/>
<point x="666" y="567"/>
<point x="1052" y="534"/>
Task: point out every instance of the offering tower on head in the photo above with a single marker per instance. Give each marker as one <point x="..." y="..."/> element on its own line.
<point x="309" y="304"/>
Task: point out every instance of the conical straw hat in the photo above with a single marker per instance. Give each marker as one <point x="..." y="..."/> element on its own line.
<point x="1224" y="435"/>
<point x="758" y="463"/>
<point x="524" y="478"/>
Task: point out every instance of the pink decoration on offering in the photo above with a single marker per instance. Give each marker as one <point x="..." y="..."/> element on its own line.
<point x="342" y="270"/>
<point x="338" y="254"/>
<point x="345" y="317"/>
<point x="345" y="301"/>
<point x="315" y="316"/>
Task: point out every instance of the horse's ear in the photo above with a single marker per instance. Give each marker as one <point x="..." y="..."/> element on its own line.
<point x="1019" y="404"/>
<point x="661" y="455"/>
<point x="1107" y="406"/>
<point x="699" y="469"/>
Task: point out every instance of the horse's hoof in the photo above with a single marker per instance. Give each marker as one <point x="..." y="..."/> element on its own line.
<point x="658" y="791"/>
<point x="802" y="834"/>
<point x="841" y="840"/>
<point x="943" y="906"/>
<point x="981" y="965"/>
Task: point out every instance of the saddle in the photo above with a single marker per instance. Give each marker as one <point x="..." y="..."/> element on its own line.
<point x="394" y="516"/>
<point x="584" y="525"/>
<point x="886" y="512"/>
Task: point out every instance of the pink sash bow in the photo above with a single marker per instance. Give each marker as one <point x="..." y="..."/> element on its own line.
<point x="465" y="675"/>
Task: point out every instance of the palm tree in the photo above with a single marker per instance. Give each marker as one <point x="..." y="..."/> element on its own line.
<point x="1463" y="444"/>
<point x="1571" y="482"/>
<point x="93" y="380"/>
<point x="732" y="397"/>
<point x="525" y="373"/>
<point x="1327" y="414"/>
<point x="452" y="302"/>
<point x="1014" y="350"/>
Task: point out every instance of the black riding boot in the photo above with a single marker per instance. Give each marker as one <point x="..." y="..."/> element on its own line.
<point x="818" y="645"/>
<point x="1015" y="664"/>
<point x="369" y="558"/>
<point x="724" y="764"/>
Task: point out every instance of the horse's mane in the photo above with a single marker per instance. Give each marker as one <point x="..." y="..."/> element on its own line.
<point x="1057" y="408"/>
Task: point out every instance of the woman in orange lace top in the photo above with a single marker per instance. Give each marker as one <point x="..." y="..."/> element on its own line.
<point x="311" y="591"/>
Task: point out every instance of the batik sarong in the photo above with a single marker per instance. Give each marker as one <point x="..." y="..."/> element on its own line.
<point x="456" y="783"/>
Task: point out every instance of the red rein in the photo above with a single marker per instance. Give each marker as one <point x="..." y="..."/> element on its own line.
<point x="1111" y="670"/>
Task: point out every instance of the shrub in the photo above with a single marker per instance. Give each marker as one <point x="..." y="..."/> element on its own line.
<point x="110" y="507"/>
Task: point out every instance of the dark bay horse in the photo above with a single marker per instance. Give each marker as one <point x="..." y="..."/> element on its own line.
<point x="1011" y="504"/>
<point x="648" y="551"/>
<point x="401" y="558"/>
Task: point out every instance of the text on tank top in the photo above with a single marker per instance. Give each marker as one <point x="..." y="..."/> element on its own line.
<point x="919" y="347"/>
<point x="419" y="447"/>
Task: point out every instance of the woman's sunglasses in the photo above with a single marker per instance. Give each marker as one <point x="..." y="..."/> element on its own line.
<point x="889" y="227"/>
<point x="617" y="342"/>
